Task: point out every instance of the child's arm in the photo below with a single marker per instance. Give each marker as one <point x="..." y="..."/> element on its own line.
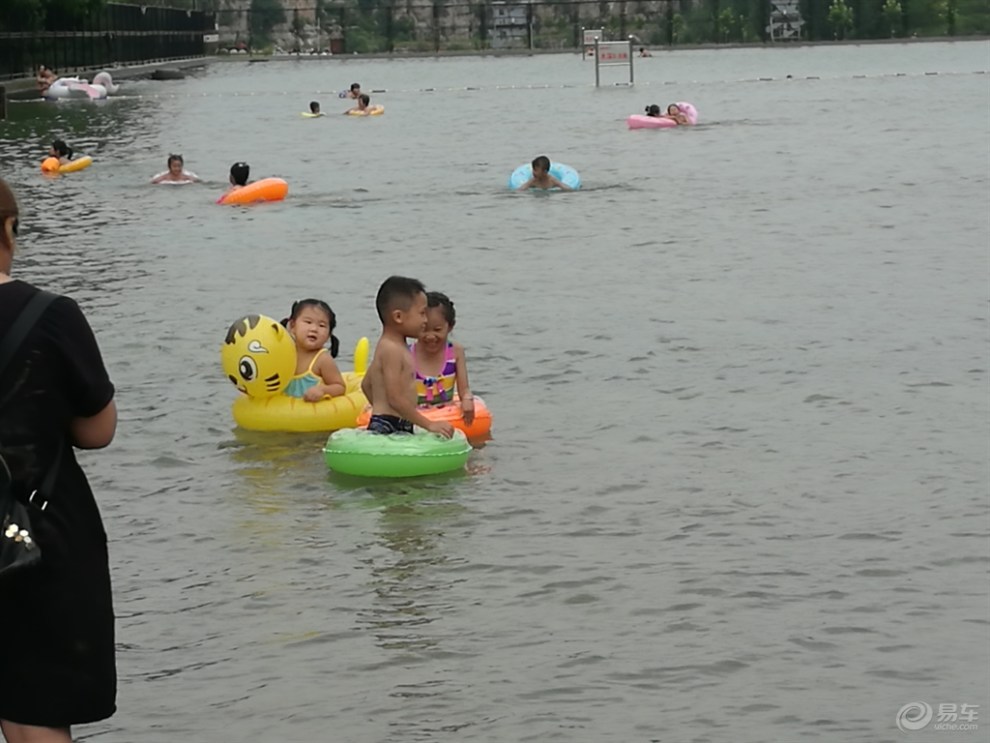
<point x="397" y="392"/>
<point x="463" y="389"/>
<point x="560" y="185"/>
<point x="159" y="178"/>
<point x="366" y="387"/>
<point x="333" y="383"/>
<point x="527" y="185"/>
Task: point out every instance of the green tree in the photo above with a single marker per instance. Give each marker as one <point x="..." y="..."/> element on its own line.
<point x="893" y="15"/>
<point x="265" y="16"/>
<point x="840" y="18"/>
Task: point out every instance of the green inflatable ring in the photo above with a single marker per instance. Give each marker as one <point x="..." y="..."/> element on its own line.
<point x="353" y="451"/>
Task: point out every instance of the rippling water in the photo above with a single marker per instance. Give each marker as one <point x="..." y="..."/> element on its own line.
<point x="739" y="484"/>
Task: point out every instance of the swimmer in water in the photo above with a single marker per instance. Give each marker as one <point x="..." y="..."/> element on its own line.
<point x="363" y="101"/>
<point x="653" y="110"/>
<point x="60" y="150"/>
<point x="45" y="78"/>
<point x="644" y="52"/>
<point x="355" y="91"/>
<point x="239" y="173"/>
<point x="314" y="108"/>
<point x="674" y="113"/>
<point x="176" y="172"/>
<point x="542" y="178"/>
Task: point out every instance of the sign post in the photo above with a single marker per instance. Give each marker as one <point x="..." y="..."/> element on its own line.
<point x="612" y="54"/>
<point x="588" y="38"/>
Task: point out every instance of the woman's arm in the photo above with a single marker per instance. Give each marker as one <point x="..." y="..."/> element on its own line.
<point x="96" y="431"/>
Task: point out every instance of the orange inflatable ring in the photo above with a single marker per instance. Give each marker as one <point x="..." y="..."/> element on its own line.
<point x="267" y="189"/>
<point x="480" y="428"/>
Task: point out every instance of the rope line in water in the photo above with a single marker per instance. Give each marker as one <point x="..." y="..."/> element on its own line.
<point x="547" y="86"/>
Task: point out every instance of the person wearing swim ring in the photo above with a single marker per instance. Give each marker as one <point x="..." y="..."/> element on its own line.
<point x="314" y="108"/>
<point x="60" y="150"/>
<point x="674" y="113"/>
<point x="439" y="363"/>
<point x="542" y="178"/>
<point x="176" y="172"/>
<point x="363" y="101"/>
<point x="239" y="174"/>
<point x="653" y="110"/>
<point x="390" y="381"/>
<point x="311" y="324"/>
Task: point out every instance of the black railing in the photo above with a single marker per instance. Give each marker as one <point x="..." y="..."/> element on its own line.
<point x="116" y="33"/>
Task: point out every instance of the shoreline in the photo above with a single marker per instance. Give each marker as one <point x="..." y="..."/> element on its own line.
<point x="654" y="50"/>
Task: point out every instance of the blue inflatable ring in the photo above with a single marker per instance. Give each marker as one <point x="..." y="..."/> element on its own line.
<point x="563" y="173"/>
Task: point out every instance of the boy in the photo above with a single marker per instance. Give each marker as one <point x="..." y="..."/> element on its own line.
<point x="363" y="101"/>
<point x="314" y="108"/>
<point x="355" y="91"/>
<point x="390" y="381"/>
<point x="542" y="178"/>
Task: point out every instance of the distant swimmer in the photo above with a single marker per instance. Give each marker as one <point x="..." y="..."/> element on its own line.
<point x="354" y="92"/>
<point x="176" y="172"/>
<point x="45" y="78"/>
<point x="542" y="178"/>
<point x="314" y="109"/>
<point x="644" y="52"/>
<point x="239" y="174"/>
<point x="60" y="150"/>
<point x="674" y="113"/>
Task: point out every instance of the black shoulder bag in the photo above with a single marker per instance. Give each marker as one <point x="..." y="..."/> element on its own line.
<point x="18" y="549"/>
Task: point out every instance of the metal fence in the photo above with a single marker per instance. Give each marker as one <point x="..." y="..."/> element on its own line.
<point x="116" y="33"/>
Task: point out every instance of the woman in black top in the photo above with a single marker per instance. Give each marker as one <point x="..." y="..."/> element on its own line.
<point x="56" y="619"/>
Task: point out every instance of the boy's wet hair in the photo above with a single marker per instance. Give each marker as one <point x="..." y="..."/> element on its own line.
<point x="653" y="110"/>
<point x="397" y="293"/>
<point x="298" y="307"/>
<point x="441" y="300"/>
<point x="542" y="162"/>
<point x="364" y="98"/>
<point x="355" y="86"/>
<point x="314" y="106"/>
<point x="175" y="159"/>
<point x="240" y="172"/>
<point x="62" y="149"/>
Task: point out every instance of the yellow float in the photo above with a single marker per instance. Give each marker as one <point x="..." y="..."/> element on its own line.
<point x="52" y="165"/>
<point x="369" y="111"/>
<point x="259" y="358"/>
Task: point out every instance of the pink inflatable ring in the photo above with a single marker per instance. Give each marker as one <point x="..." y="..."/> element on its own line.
<point x="641" y="121"/>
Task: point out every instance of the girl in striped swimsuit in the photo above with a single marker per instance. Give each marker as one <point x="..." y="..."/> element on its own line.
<point x="439" y="363"/>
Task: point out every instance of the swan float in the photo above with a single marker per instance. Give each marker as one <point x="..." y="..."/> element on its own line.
<point x="65" y="88"/>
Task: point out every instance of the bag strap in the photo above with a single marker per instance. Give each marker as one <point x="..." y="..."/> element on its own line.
<point x="28" y="318"/>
